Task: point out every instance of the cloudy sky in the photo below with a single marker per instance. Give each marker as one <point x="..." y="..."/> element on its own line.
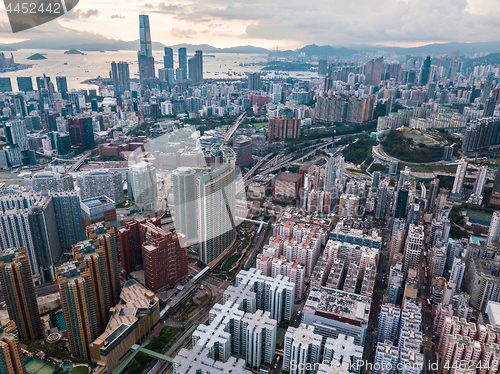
<point x="282" y="23"/>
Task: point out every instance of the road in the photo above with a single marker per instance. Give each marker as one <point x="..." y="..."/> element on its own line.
<point x="378" y="153"/>
<point x="427" y="344"/>
<point x="378" y="293"/>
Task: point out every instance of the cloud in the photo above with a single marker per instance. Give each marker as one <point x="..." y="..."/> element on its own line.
<point x="80" y="14"/>
<point x="182" y="33"/>
<point x="291" y="22"/>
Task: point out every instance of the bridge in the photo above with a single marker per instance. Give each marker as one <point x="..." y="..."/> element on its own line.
<point x="234" y="127"/>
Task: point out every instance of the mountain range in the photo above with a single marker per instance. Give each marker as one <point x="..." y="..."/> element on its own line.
<point x="95" y="42"/>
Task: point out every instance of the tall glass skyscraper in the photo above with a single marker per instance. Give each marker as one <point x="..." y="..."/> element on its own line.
<point x="184" y="188"/>
<point x="145" y="54"/>
<point x="216" y="204"/>
<point x="183" y="61"/>
<point x="168" y="59"/>
<point x="196" y="67"/>
<point x="145" y="35"/>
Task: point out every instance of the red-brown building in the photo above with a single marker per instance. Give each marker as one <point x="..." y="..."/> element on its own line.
<point x="130" y="240"/>
<point x="283" y="128"/>
<point x="144" y="242"/>
<point x="164" y="261"/>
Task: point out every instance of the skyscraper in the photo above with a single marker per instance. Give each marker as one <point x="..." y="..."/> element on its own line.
<point x="373" y="71"/>
<point x="96" y="183"/>
<point x="426" y="71"/>
<point x="142" y="185"/>
<point x="43" y="226"/>
<point x="196" y="67"/>
<point x="81" y="132"/>
<point x="460" y="177"/>
<point x="254" y="81"/>
<point x="105" y="236"/>
<point x="62" y="86"/>
<point x="216" y="204"/>
<point x="479" y="183"/>
<point x="145" y="54"/>
<point x="489" y="107"/>
<point x="129" y="240"/>
<point x="168" y="59"/>
<point x="79" y="308"/>
<point x="5" y="84"/>
<point x="145" y="36"/>
<point x="413" y="248"/>
<point x="401" y="204"/>
<point x="494" y="230"/>
<point x="24" y="84"/>
<point x="184" y="188"/>
<point x="68" y="217"/>
<point x="11" y="360"/>
<point x="91" y="257"/>
<point x="120" y="75"/>
<point x="19" y="292"/>
<point x="182" y="54"/>
<point x="164" y="261"/>
<point x="16" y="134"/>
<point x="488" y="86"/>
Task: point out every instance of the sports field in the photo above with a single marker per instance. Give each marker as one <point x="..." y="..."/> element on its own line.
<point x="35" y="366"/>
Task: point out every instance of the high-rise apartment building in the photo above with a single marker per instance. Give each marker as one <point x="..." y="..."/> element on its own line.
<point x="373" y="71"/>
<point x="283" y="128"/>
<point x="68" y="216"/>
<point x="494" y="230"/>
<point x="142" y="185"/>
<point x="79" y="307"/>
<point x="50" y="181"/>
<point x="480" y="180"/>
<point x="90" y="257"/>
<point x="11" y="360"/>
<point x="242" y="146"/>
<point x="216" y="204"/>
<point x="96" y="183"/>
<point x="185" y="205"/>
<point x="145" y="54"/>
<point x="388" y="326"/>
<point x="302" y="347"/>
<point x="19" y="293"/>
<point x="413" y="248"/>
<point x="253" y="81"/>
<point x="460" y="177"/>
<point x="164" y="261"/>
<point x="196" y="67"/>
<point x="130" y="244"/>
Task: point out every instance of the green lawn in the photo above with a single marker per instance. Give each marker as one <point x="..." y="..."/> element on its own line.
<point x="259" y="125"/>
<point x="229" y="264"/>
<point x="80" y="370"/>
<point x="429" y="168"/>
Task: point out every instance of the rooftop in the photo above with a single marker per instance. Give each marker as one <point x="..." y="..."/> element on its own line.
<point x="340" y="305"/>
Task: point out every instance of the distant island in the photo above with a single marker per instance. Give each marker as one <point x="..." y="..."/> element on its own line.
<point x="73" y="52"/>
<point x="37" y="56"/>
